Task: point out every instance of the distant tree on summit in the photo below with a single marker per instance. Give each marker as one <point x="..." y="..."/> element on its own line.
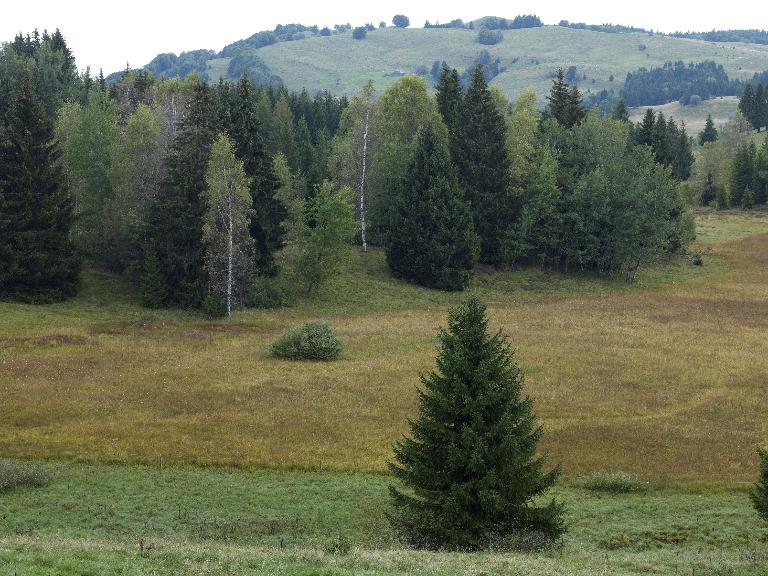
<point x="401" y="21"/>
<point x="359" y="33"/>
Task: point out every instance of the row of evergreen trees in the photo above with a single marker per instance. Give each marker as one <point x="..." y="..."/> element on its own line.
<point x="38" y="259"/>
<point x="564" y="189"/>
<point x="670" y="143"/>
<point x="678" y="82"/>
<point x="748" y="177"/>
<point x="753" y="104"/>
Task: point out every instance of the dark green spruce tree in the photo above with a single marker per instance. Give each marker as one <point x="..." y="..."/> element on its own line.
<point x="644" y="133"/>
<point x="742" y="172"/>
<point x="38" y="261"/>
<point x="470" y="469"/>
<point x="269" y="212"/>
<point x="449" y="101"/>
<point x="483" y="166"/>
<point x="682" y="150"/>
<point x="559" y="100"/>
<point x="432" y="239"/>
<point x="760" y="174"/>
<point x="621" y="113"/>
<point x="575" y="110"/>
<point x="175" y="226"/>
<point x="759" y="493"/>
<point x="709" y="134"/>
<point x="662" y="141"/>
<point x="748" y="105"/>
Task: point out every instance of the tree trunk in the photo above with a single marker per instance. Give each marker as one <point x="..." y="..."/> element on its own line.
<point x="230" y="249"/>
<point x="362" y="180"/>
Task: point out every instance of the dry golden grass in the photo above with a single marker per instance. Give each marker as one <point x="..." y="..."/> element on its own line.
<point x="669" y="383"/>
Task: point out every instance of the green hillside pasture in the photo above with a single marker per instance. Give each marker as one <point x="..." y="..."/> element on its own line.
<point x="343" y="65"/>
<point x="137" y="520"/>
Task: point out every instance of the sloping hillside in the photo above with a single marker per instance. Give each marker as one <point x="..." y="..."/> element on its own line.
<point x="341" y="64"/>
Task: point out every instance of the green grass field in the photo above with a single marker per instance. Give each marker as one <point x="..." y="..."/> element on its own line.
<point x="143" y="414"/>
<point x="343" y="65"/>
<point x="116" y="519"/>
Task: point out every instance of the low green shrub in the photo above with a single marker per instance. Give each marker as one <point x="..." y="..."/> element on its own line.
<point x="14" y="474"/>
<point x="613" y="483"/>
<point x="310" y="341"/>
<point x="213" y="308"/>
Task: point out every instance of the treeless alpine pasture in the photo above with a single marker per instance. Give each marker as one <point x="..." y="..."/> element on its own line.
<point x="665" y="379"/>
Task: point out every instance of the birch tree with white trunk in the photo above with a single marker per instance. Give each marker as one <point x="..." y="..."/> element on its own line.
<point x="352" y="152"/>
<point x="229" y="246"/>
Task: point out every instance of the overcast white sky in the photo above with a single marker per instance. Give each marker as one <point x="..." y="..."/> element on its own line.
<point x="108" y="35"/>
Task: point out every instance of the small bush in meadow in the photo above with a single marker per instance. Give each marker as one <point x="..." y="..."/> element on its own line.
<point x="14" y="474"/>
<point x="310" y="341"/>
<point x="613" y="483"/>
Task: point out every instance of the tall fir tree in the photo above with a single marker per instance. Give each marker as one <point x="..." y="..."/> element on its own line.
<point x="748" y="105"/>
<point x="662" y="140"/>
<point x="283" y="132"/>
<point x="268" y="212"/>
<point x="38" y="261"/>
<point x="761" y="107"/>
<point x="760" y="174"/>
<point x="709" y="134"/>
<point x="575" y="112"/>
<point x="175" y="226"/>
<point x="449" y="102"/>
<point x="682" y="151"/>
<point x="483" y="166"/>
<point x="621" y="113"/>
<point x="644" y="134"/>
<point x="742" y="173"/>
<point x="559" y="100"/>
<point x="470" y="469"/>
<point x="432" y="241"/>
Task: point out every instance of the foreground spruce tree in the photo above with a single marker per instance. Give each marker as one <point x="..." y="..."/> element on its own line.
<point x="470" y="470"/>
<point x="760" y="492"/>
<point x="38" y="261"/>
<point x="432" y="240"/>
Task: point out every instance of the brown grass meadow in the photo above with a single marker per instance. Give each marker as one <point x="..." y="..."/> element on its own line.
<point x="667" y="380"/>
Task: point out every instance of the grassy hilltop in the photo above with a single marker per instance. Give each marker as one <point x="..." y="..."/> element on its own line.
<point x="343" y="65"/>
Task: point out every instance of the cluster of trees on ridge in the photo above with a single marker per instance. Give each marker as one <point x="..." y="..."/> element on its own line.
<point x="678" y="82"/>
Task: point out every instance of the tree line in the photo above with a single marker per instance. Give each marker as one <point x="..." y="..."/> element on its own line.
<point x="678" y="82"/>
<point x="441" y="183"/>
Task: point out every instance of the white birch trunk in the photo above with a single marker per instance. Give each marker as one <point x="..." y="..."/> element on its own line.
<point x="362" y="179"/>
<point x="230" y="256"/>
